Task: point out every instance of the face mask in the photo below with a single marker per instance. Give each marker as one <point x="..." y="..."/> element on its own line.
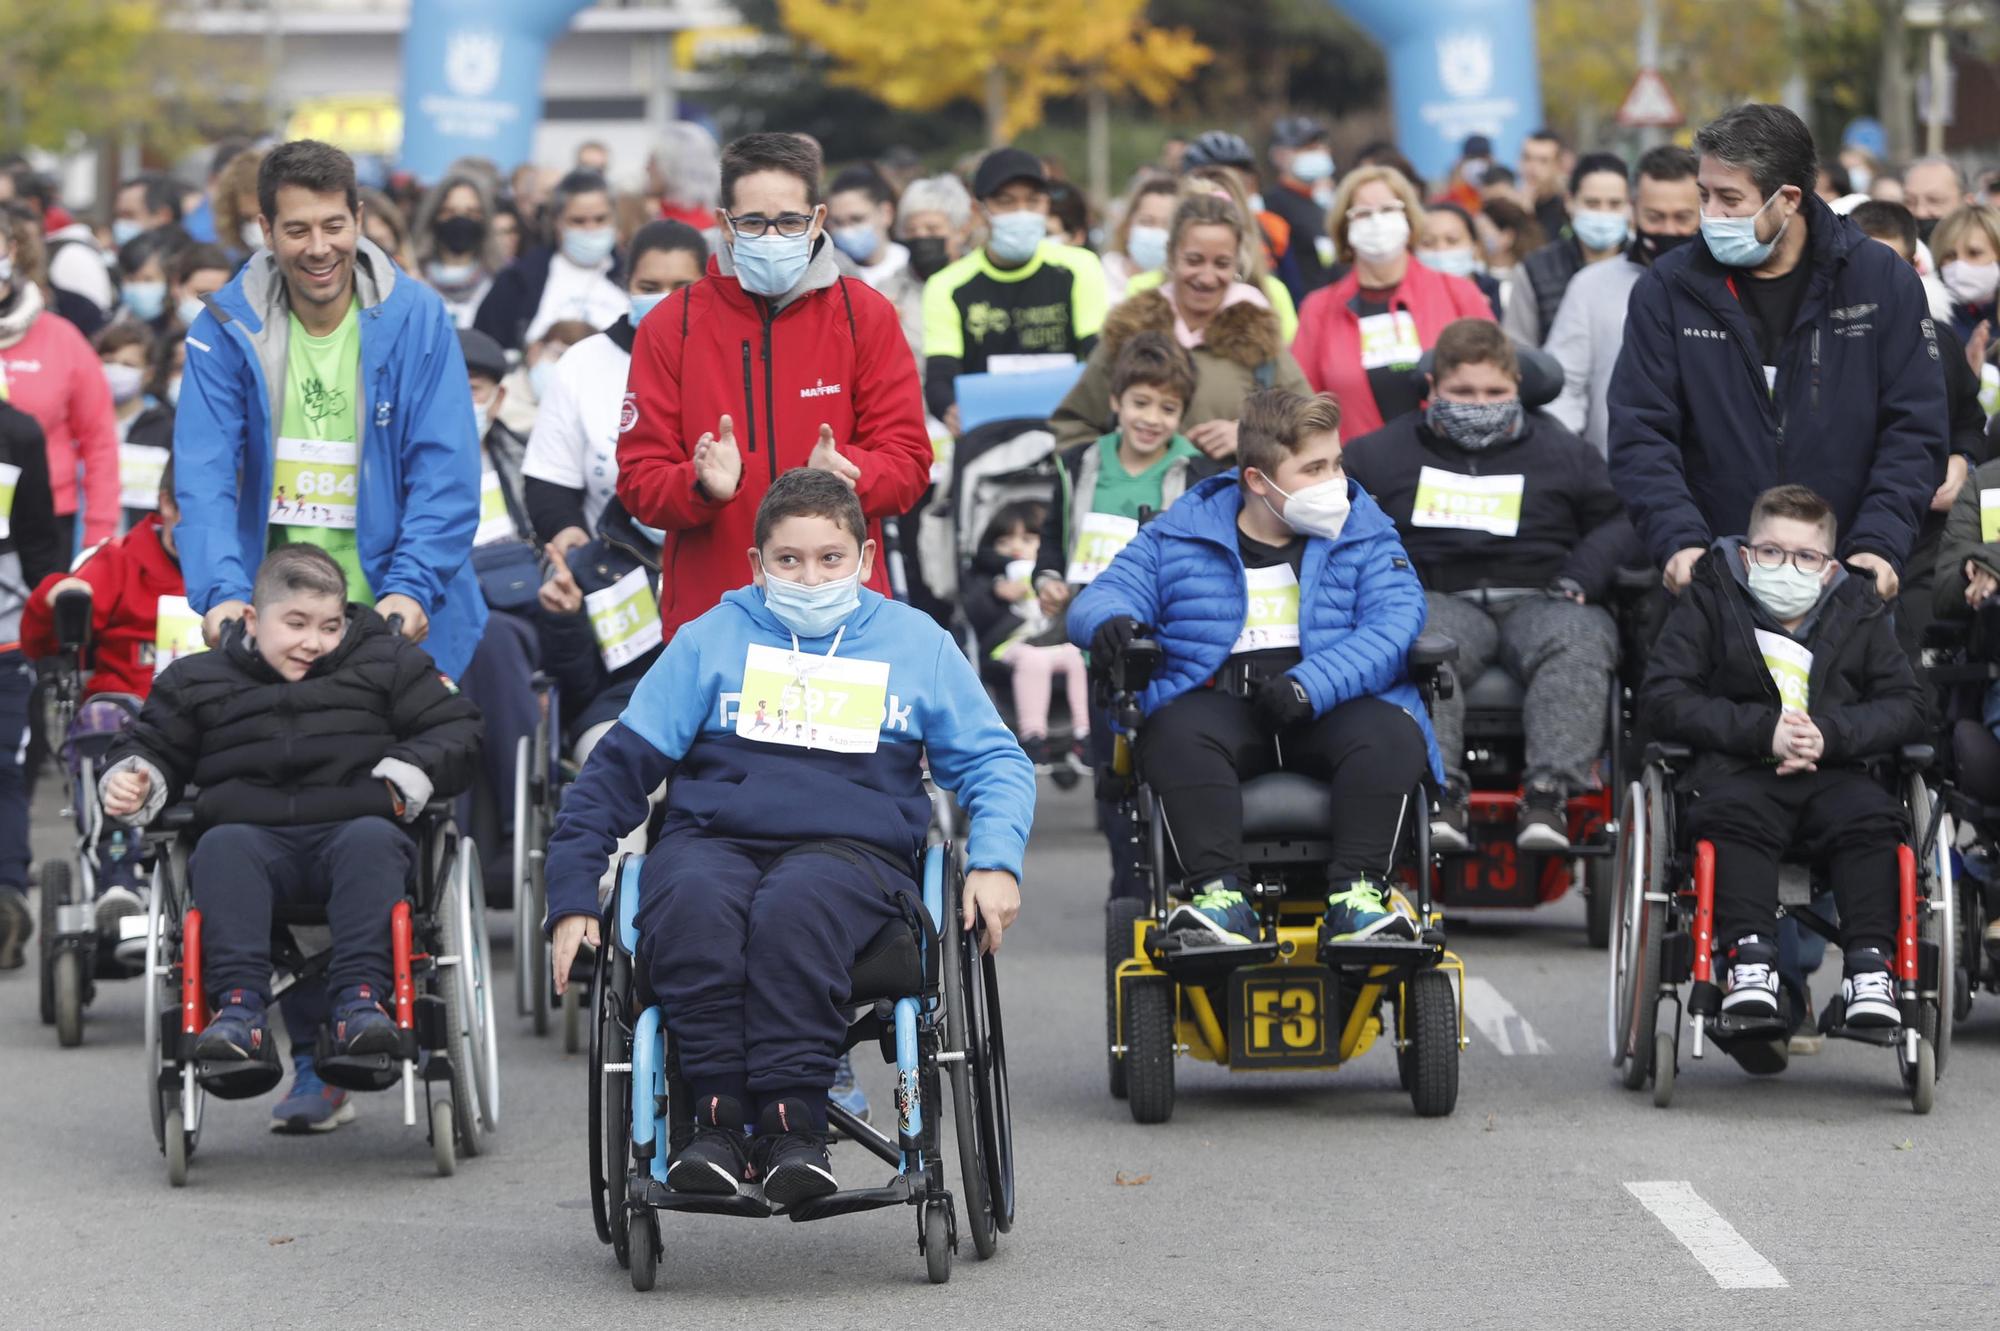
<point x="588" y="248"/>
<point x="124" y="230"/>
<point x="1926" y="225"/>
<point x="1474" y="172"/>
<point x="1475" y="425"/>
<point x="482" y="417"/>
<point x="6" y="269"/>
<point x="1312" y="166"/>
<point x="459" y="235"/>
<point x="1460" y="262"/>
<point x="252" y="235"/>
<point x="453" y="274"/>
<point x="860" y="242"/>
<point x="1381" y="237"/>
<point x="1146" y="247"/>
<point x="1600" y="231"/>
<point x="928" y="255"/>
<point x="1256" y="202"/>
<point x="1656" y="243"/>
<point x="1318" y="510"/>
<point x="189" y="307"/>
<point x="539" y="376"/>
<point x="642" y="305"/>
<point x="174" y="391"/>
<point x="124" y="381"/>
<point x="1860" y="177"/>
<point x="1324" y="194"/>
<point x="1970" y="283"/>
<point x="812" y="612"/>
<point x="1017" y="235"/>
<point x="1784" y="591"/>
<point x="1733" y="240"/>
<point x="771" y="265"/>
<point x="657" y="535"/>
<point x="145" y="299"/>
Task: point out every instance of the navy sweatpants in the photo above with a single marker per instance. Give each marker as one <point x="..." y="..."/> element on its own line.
<point x="358" y="870"/>
<point x="748" y="950"/>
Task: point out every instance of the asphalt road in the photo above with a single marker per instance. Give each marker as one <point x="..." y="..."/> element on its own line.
<point x="1816" y="1199"/>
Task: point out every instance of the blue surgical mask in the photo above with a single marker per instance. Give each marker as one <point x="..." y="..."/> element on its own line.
<point x="1600" y="231"/>
<point x="145" y="299"/>
<point x="1146" y="247"/>
<point x="860" y="242"/>
<point x="540" y="375"/>
<point x="657" y="535"/>
<point x="812" y="612"/>
<point x="1017" y="235"/>
<point x="642" y="304"/>
<point x="771" y="265"/>
<point x="1461" y="262"/>
<point x="1733" y="240"/>
<point x="1312" y="166"/>
<point x="126" y="229"/>
<point x="587" y="247"/>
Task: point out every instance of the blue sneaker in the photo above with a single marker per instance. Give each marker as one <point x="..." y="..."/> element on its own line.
<point x="361" y="1026"/>
<point x="845" y="1092"/>
<point x="238" y="1032"/>
<point x="1361" y="910"/>
<point x="312" y="1105"/>
<point x="1219" y="911"/>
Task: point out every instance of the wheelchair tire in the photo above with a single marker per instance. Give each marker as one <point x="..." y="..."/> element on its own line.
<point x="468" y="1001"/>
<point x="1638" y="952"/>
<point x="1971" y="948"/>
<point x="964" y="1035"/>
<point x="1432" y="1030"/>
<point x="610" y="1102"/>
<point x="645" y="1241"/>
<point x="1600" y="899"/>
<point x="1149" y="1049"/>
<point x="1938" y="923"/>
<point x="68" y="981"/>
<point x="937" y="1243"/>
<point x="1920" y="1076"/>
<point x="444" y="1149"/>
<point x="1120" y="914"/>
<point x="176" y="1145"/>
<point x="55" y="880"/>
<point x="152" y="1025"/>
<point x="996" y="1124"/>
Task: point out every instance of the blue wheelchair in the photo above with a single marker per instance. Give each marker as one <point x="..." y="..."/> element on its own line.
<point x="926" y="995"/>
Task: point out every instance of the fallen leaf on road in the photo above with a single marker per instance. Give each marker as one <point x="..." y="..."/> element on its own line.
<point x="1125" y="1180"/>
<point x="281" y="1239"/>
<point x="1489" y="1123"/>
<point x="1906" y="1145"/>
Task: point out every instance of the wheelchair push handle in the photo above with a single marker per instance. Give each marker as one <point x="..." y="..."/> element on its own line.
<point x="1132" y="669"/>
<point x="72" y="619"/>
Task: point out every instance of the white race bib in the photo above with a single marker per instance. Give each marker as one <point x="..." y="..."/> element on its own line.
<point x="10" y="476"/>
<point x="1028" y="362"/>
<point x="1390" y="340"/>
<point x="140" y="467"/>
<point x="495" y="522"/>
<point x="314" y="481"/>
<point x="1102" y="537"/>
<point x="625" y="619"/>
<point x="1272" y="618"/>
<point x="810" y="701"/>
<point x="1790" y="664"/>
<point x="176" y="633"/>
<point x="1473" y="503"/>
<point x="1989" y="515"/>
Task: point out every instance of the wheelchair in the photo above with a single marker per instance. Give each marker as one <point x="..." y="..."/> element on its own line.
<point x="1665" y="936"/>
<point x="540" y="775"/>
<point x="927" y="996"/>
<point x="1294" y="1001"/>
<point x="441" y="983"/>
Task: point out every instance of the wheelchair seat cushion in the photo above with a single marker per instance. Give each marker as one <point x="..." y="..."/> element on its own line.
<point x="889" y="966"/>
<point x="1495" y="690"/>
<point x="1286" y="804"/>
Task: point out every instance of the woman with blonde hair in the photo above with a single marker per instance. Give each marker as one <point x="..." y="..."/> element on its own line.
<point x="1966" y="248"/>
<point x="236" y="207"/>
<point x="1220" y="182"/>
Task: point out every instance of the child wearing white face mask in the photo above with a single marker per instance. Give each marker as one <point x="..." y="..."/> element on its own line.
<point x="1783" y="673"/>
<point x="145" y="424"/>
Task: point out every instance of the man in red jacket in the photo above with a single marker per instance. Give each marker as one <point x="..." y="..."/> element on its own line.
<point x="771" y="361"/>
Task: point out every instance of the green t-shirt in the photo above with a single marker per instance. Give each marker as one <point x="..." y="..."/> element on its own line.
<point x="322" y="376"/>
<point x="1122" y="494"/>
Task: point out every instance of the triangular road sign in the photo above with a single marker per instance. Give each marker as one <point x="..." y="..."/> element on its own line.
<point x="1649" y="104"/>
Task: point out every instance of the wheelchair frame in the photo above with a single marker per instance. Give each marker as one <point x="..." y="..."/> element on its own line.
<point x="1959" y="657"/>
<point x="441" y="985"/>
<point x="538" y="792"/>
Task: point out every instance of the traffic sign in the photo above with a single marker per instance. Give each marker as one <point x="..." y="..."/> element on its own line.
<point x="1650" y="104"/>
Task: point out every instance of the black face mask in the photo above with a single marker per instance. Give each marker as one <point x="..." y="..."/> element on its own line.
<point x="927" y="255"/>
<point x="1926" y="225"/>
<point x="459" y="235"/>
<point x="1653" y="244"/>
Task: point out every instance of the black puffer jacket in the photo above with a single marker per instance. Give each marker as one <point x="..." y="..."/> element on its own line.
<point x="1707" y="685"/>
<point x="264" y="750"/>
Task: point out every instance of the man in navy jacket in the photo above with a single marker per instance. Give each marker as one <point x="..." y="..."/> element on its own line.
<point x="1778" y="348"/>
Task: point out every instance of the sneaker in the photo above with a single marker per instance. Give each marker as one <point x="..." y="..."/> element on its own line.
<point x="1079" y="752"/>
<point x="1219" y="911"/>
<point x="1868" y="994"/>
<point x="713" y="1161"/>
<point x="1037" y="749"/>
<point x="17" y="926"/>
<point x="1753" y="980"/>
<point x="114" y="904"/>
<point x="312" y="1105"/>
<point x="1360" y="910"/>
<point x="1449" y="823"/>
<point x="1992" y="939"/>
<point x="845" y="1093"/>
<point x="237" y="1033"/>
<point x="361" y="1026"/>
<point x="1544" y="819"/>
<point x="790" y="1151"/>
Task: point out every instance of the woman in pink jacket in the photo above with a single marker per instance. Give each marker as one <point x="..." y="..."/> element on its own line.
<point x="1359" y="338"/>
<point x="52" y="374"/>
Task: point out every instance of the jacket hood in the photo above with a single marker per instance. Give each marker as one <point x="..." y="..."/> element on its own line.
<point x="1208" y="512"/>
<point x="1246" y="333"/>
<point x="749" y="600"/>
<point x="822" y="271"/>
<point x="257" y="294"/>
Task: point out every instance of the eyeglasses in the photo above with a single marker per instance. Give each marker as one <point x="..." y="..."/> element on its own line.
<point x="756" y="226"/>
<point x="1776" y="556"/>
<point x="1363" y="214"/>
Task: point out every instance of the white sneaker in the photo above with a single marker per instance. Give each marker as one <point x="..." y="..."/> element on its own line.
<point x="1870" y="1000"/>
<point x="114" y="904"/>
<point x="1753" y="984"/>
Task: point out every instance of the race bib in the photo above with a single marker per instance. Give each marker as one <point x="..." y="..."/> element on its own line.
<point x="314" y="482"/>
<point x="1272" y="619"/>
<point x="140" y="467"/>
<point x="1390" y="340"/>
<point x="1989" y="515"/>
<point x="1490" y="504"/>
<point x="625" y="619"/>
<point x="1790" y="664"/>
<point x="495" y="522"/>
<point x="1028" y="362"/>
<point x="10" y="476"/>
<point x="812" y="702"/>
<point x="176" y="633"/>
<point x="1102" y="537"/>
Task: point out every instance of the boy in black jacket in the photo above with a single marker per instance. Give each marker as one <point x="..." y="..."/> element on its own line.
<point x="312" y="731"/>
<point x="1783" y="672"/>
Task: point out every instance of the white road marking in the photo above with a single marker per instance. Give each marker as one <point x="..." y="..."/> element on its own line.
<point x="1497" y="1022"/>
<point x="1702" y="1231"/>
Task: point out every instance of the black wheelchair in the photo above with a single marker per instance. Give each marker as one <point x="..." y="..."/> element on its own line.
<point x="1294" y="1000"/>
<point x="927" y="996"/>
<point x="441" y="982"/>
<point x="541" y="774"/>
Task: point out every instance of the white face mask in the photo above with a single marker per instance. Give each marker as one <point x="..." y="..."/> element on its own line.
<point x="253" y="236"/>
<point x="1381" y="237"/>
<point x="1970" y="283"/>
<point x="1785" y="591"/>
<point x="1317" y="510"/>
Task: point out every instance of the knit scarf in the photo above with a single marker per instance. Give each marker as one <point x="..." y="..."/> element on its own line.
<point x="16" y="318"/>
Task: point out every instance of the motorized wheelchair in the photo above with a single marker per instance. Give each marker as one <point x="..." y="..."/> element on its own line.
<point x="441" y="984"/>
<point x="541" y="774"/>
<point x="1295" y="1000"/>
<point x="1665" y="936"/>
<point x="930" y="999"/>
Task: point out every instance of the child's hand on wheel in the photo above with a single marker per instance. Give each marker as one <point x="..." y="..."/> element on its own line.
<point x="992" y="896"/>
<point x="570" y="933"/>
<point x="125" y="792"/>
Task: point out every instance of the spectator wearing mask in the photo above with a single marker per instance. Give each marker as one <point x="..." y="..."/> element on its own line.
<point x="1589" y="328"/>
<point x="1069" y="215"/>
<point x="1139" y="240"/>
<point x="576" y="278"/>
<point x="197" y="272"/>
<point x="1933" y="188"/>
<point x="503" y="509"/>
<point x="1544" y="169"/>
<point x="1301" y="193"/>
<point x="142" y="283"/>
<point x="30" y="550"/>
<point x="860" y="215"/>
<point x="70" y="261"/>
<point x="934" y="221"/>
<point x="1220" y="183"/>
<point x="1449" y="244"/>
<point x="685" y="175"/>
<point x="1600" y="222"/>
<point x="508" y="234"/>
<point x="452" y="226"/>
<point x="528" y="382"/>
<point x="1966" y="248"/>
<point x="1467" y="179"/>
<point x="145" y="424"/>
<point x="383" y="221"/>
<point x="144" y="203"/>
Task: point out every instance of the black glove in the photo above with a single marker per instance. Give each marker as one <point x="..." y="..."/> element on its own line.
<point x="1113" y="636"/>
<point x="1282" y="703"/>
<point x="1565" y="589"/>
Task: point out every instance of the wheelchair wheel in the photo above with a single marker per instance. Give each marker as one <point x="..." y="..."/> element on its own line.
<point x="1665" y="1065"/>
<point x="1149" y="1049"/>
<point x="645" y="1231"/>
<point x="67" y="980"/>
<point x="1431" y="1027"/>
<point x="1920" y="1074"/>
<point x="1636" y="957"/>
<point x="964" y="1035"/>
<point x="610" y="1099"/>
<point x="937" y="1243"/>
<point x="55" y="881"/>
<point x="1600" y="899"/>
<point x="177" y="1149"/>
<point x="1938" y="924"/>
<point x="155" y="996"/>
<point x="997" y="1123"/>
<point x="444" y="1150"/>
<point x="1120" y="915"/>
<point x="531" y="951"/>
<point x="572" y="1016"/>
<point x="468" y="993"/>
<point x="1971" y="913"/>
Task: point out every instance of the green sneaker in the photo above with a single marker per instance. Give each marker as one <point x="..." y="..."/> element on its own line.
<point x="1219" y="911"/>
<point x="1361" y="910"/>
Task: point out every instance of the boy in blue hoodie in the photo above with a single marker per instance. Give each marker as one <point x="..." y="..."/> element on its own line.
<point x="792" y="725"/>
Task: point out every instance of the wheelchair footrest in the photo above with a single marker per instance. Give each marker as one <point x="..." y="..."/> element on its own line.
<point x="228" y="1079"/>
<point x="749" y="1204"/>
<point x="897" y="1193"/>
<point x="1833" y="1023"/>
<point x="1189" y="960"/>
<point x="367" y="1072"/>
<point x="1343" y="953"/>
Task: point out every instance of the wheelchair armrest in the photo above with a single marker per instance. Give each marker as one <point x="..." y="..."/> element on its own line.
<point x="1668" y="754"/>
<point x="72" y="620"/>
<point x="1632" y="582"/>
<point x="174" y="818"/>
<point x="1432" y="650"/>
<point x="1916" y="758"/>
<point x="1947" y="633"/>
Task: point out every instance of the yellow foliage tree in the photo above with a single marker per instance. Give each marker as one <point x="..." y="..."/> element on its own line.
<point x="1014" y="56"/>
<point x="1712" y="55"/>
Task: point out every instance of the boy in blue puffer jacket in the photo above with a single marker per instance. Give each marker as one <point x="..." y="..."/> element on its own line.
<point x="791" y="724"/>
<point x="1284" y="606"/>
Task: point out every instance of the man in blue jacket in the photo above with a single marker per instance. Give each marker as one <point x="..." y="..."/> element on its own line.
<point x="325" y="400"/>
<point x="1779" y="348"/>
